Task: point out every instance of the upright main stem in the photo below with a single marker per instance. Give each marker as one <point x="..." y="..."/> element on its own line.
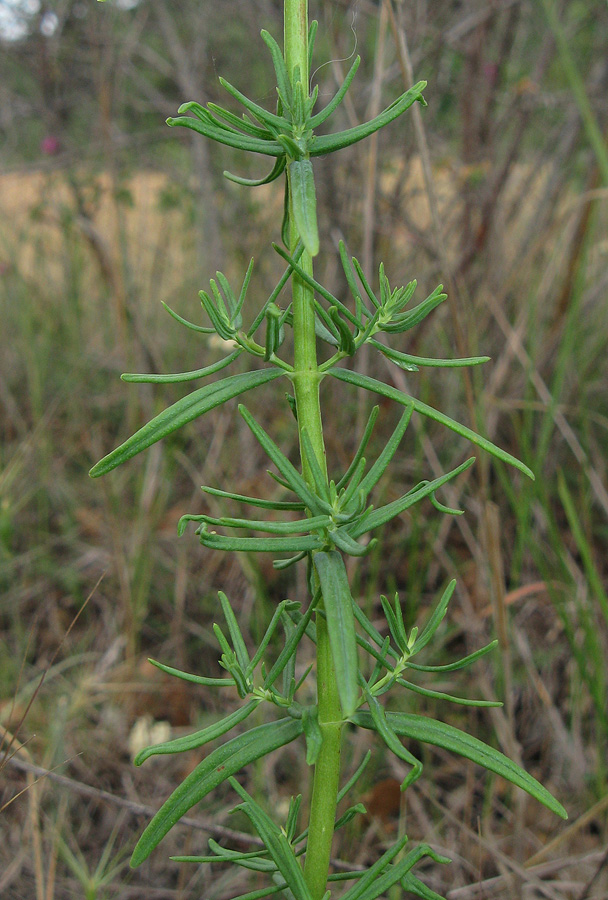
<point x="306" y="380"/>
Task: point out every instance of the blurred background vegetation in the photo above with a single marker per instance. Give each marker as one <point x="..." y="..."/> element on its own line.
<point x="500" y="192"/>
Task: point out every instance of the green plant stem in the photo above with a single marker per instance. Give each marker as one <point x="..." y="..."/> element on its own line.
<point x="306" y="380"/>
<point x="327" y="769"/>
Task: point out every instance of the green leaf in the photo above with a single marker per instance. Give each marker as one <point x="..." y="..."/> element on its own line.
<point x="376" y="517"/>
<point x="324" y="327"/>
<point x="364" y="885"/>
<point x="287" y="470"/>
<point x="379" y="467"/>
<point x="253" y="860"/>
<point x="458" y="664"/>
<point x="274" y="332"/>
<point x="304" y="203"/>
<point x="383" y="727"/>
<point x="441" y="695"/>
<point x="429" y="731"/>
<point x="293" y="544"/>
<point x="194" y="679"/>
<point x="277" y="290"/>
<point x="276" y="843"/>
<point x="342" y="539"/>
<point x="378" y="387"/>
<point x="337" y="601"/>
<point x="413" y="885"/>
<point x="185" y="410"/>
<point x="436" y="618"/>
<point x="283" y="82"/>
<point x="314" y="523"/>
<point x="367" y="433"/>
<point x="235" y="632"/>
<point x="312" y="733"/>
<point x="306" y="277"/>
<point x="347" y="341"/>
<point x="331" y="142"/>
<point x="199" y="738"/>
<point x="406" y="359"/>
<point x="239" y="124"/>
<point x="230" y="138"/>
<point x="211" y="772"/>
<point x="272" y="625"/>
<point x="291" y="644"/>
<point x="381" y="882"/>
<point x="312" y="34"/>
<point x="318" y="477"/>
<point x="182" y="376"/>
<point x="272" y="121"/>
<point x="400" y="323"/>
<point x="254" y="501"/>
<point x="276" y="171"/>
<point x="337" y="99"/>
<point x="200" y="329"/>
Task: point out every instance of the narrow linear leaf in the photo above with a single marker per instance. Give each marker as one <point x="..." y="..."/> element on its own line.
<point x="338" y="97"/>
<point x="331" y="142"/>
<point x="178" y="377"/>
<point x="185" y="410"/>
<point x="376" y="517"/>
<point x="312" y="733"/>
<point x="343" y="541"/>
<point x="278" y="61"/>
<point x="300" y="526"/>
<point x="440" y="695"/>
<point x="240" y="124"/>
<point x="211" y="772"/>
<point x="236" y="636"/>
<point x="230" y="138"/>
<point x="429" y="731"/>
<point x="304" y="203"/>
<point x="293" y="544"/>
<point x="292" y="477"/>
<point x="252" y="861"/>
<point x="323" y="292"/>
<point x="389" y="736"/>
<point x="267" y="118"/>
<point x="260" y="856"/>
<point x="291" y="644"/>
<point x="367" y="433"/>
<point x="414" y="886"/>
<point x="312" y="34"/>
<point x="379" y="467"/>
<point x="392" y="874"/>
<point x="198" y="738"/>
<point x="337" y="601"/>
<point x="255" y="501"/>
<point x="407" y="359"/>
<point x="277" y="289"/>
<point x="195" y="679"/>
<point x="200" y="329"/>
<point x="276" y="843"/>
<point x="377" y="387"/>
<point x="458" y="664"/>
<point x="365" y="883"/>
<point x="436" y="618"/>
